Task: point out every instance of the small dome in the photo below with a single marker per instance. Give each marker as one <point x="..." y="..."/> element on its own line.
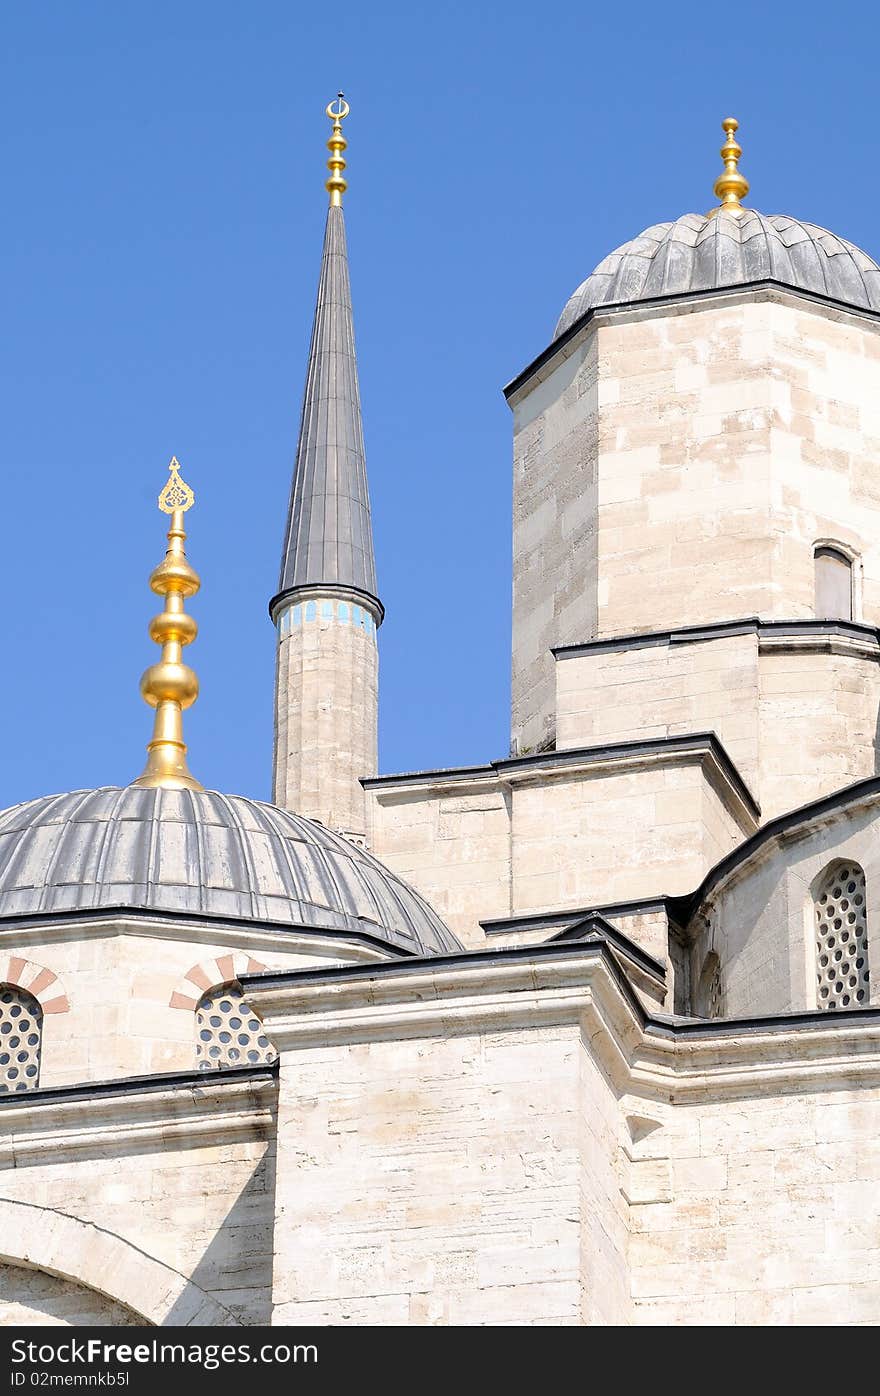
<point x="697" y="253"/>
<point x="206" y="854"/>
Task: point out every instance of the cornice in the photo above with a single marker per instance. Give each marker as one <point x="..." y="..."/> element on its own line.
<point x="674" y="1060"/>
<point x="682" y="302"/>
<point x="836" y="636"/>
<point x="861" y="794"/>
<point x="704" y="747"/>
<point x="197" y="928"/>
<point x="138" y="1114"/>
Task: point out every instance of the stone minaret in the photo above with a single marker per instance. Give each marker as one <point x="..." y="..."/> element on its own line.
<point x="327" y="611"/>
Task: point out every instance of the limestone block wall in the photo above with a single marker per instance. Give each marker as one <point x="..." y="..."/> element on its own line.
<point x="818" y="719"/>
<point x="554" y="833"/>
<point x="160" y="1198"/>
<point x="661" y="689"/>
<point x="795" y="706"/>
<point x="731" y="433"/>
<point x="130" y="988"/>
<point x="658" y="1174"/>
<point x="451" y="841"/>
<point x="578" y="843"/>
<point x="447" y="1180"/>
<point x="758" y="1210"/>
<point x="326" y="709"/>
<point x="760" y="919"/>
<point x="35" y="1298"/>
<point x="826" y="449"/>
<point x="555" y="499"/>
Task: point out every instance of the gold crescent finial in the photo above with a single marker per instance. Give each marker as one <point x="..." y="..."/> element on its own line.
<point x="731" y="186"/>
<point x="171" y="686"/>
<point x="336" y="185"/>
<point x="343" y="111"/>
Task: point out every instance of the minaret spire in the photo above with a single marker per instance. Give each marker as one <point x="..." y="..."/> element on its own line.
<point x="327" y="608"/>
<point x="171" y="686"/>
<point x="329" y="538"/>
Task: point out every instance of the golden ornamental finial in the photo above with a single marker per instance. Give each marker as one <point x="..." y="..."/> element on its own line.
<point x="171" y="686"/>
<point x="336" y="184"/>
<point x="177" y="493"/>
<point x="731" y="186"/>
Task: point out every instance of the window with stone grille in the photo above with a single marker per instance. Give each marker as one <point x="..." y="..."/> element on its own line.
<point x="834" y="584"/>
<point x="21" y="1037"/>
<point x="228" y="1032"/>
<point x="841" y="938"/>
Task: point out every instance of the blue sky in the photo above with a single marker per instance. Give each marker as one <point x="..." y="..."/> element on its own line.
<point x="163" y="171"/>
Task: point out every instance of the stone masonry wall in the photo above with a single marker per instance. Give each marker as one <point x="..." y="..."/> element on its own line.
<point x="326" y="717"/>
<point x="500" y="848"/>
<point x="728" y="436"/>
<point x="759" y="1211"/>
<point x="121" y="1020"/>
<point x="798" y="717"/>
<point x="438" y="1181"/>
<point x="203" y="1209"/>
<point x="34" y="1298"/>
<point x="554" y="535"/>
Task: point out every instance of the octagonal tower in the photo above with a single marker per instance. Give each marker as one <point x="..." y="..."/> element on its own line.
<point x="697" y="501"/>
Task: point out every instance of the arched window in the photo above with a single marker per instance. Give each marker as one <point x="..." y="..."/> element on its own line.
<point x="841" y="938"/>
<point x="834" y="584"/>
<point x="228" y="1032"/>
<point x="709" y="989"/>
<point x="21" y="1036"/>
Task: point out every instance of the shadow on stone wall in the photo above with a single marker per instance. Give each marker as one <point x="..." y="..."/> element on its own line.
<point x="236" y="1268"/>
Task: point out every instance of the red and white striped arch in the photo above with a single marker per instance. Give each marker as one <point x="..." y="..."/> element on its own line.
<point x="43" y="984"/>
<point x="208" y="974"/>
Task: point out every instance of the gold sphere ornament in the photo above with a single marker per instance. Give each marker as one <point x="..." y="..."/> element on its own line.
<point x="731" y="186"/>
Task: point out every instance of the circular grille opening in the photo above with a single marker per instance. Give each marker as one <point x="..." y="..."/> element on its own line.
<point x="21" y="1036"/>
<point x="842" y="979"/>
<point x="228" y="1031"/>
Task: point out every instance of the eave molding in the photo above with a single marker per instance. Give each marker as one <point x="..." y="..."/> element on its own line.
<point x="137" y="1115"/>
<point x="652" y="1056"/>
<point x="679" y="303"/>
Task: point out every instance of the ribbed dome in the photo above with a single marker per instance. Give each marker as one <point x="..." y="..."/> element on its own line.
<point x="218" y="855"/>
<point x="696" y="253"/>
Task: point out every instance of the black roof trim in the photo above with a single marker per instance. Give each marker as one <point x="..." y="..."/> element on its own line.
<point x="17" y="921"/>
<point x="474" y="960"/>
<point x="133" y="1085"/>
<point x="694" y="634"/>
<point x="420" y="963"/>
<point x="593" y="924"/>
<point x="647" y="302"/>
<point x="550" y="920"/>
<point x="683" y="907"/>
<point x="685" y="743"/>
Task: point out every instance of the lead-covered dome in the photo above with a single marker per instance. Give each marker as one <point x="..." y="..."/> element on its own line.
<point x="204" y="853"/>
<point x="699" y="253"/>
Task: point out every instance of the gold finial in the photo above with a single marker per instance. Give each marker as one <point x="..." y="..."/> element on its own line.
<point x="336" y="184"/>
<point x="731" y="186"/>
<point x="170" y="686"/>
